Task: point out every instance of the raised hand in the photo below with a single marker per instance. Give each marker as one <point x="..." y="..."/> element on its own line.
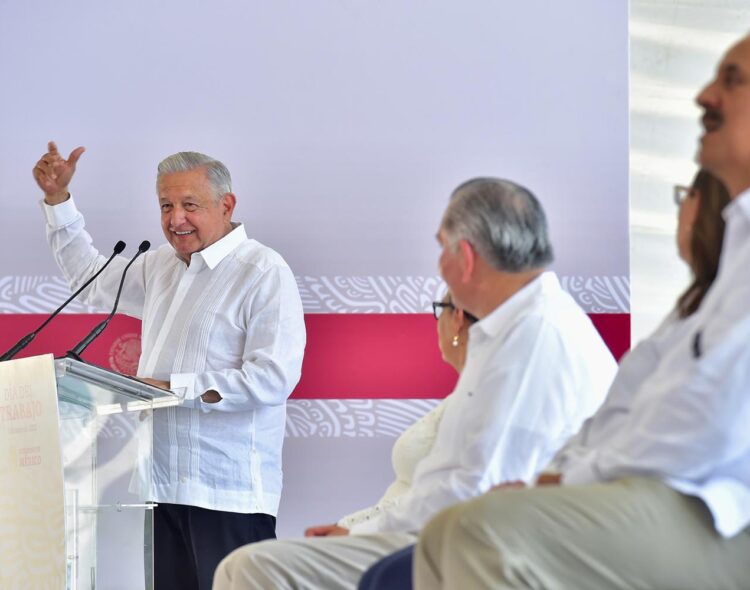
<point x="53" y="173"/>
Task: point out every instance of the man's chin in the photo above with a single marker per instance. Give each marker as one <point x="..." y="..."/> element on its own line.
<point x="182" y="252"/>
<point x="710" y="162"/>
<point x="706" y="153"/>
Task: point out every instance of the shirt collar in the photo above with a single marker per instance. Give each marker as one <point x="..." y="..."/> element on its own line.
<point x="212" y="255"/>
<point x="504" y="314"/>
<point x="738" y="206"/>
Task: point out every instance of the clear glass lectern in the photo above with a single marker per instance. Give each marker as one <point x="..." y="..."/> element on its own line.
<point x="106" y="441"/>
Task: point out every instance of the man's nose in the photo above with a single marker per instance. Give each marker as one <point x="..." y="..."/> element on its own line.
<point x="177" y="217"/>
<point x="707" y="96"/>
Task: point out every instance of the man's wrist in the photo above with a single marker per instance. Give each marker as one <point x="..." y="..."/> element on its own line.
<point x="57" y="198"/>
<point x="211" y="397"/>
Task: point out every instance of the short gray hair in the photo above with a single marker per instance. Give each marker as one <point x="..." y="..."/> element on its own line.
<point x="503" y="221"/>
<point x="216" y="172"/>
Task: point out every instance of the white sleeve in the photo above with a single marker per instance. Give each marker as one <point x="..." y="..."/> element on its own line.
<point x="695" y="423"/>
<point x="78" y="260"/>
<point x="371" y="512"/>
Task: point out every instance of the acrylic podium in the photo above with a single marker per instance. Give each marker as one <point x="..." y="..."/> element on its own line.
<point x="106" y="442"/>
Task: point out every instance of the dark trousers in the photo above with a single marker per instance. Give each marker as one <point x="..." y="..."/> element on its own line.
<point x="189" y="542"/>
<point x="390" y="573"/>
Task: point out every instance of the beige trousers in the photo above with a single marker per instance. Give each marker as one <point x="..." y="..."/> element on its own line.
<point x="631" y="534"/>
<point x="330" y="563"/>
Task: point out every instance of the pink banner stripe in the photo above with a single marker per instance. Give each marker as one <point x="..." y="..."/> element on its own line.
<point x="348" y="356"/>
<point x="395" y="355"/>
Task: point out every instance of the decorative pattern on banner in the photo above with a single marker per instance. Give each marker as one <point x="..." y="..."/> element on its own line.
<point x="331" y="418"/>
<point x="599" y="294"/>
<point x="37" y="294"/>
<point x="414" y="294"/>
<point x="377" y="294"/>
<point x="369" y="294"/>
<point x="325" y="418"/>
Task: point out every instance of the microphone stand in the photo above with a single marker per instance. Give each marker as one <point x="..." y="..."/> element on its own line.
<point x="77" y="350"/>
<point x="26" y="340"/>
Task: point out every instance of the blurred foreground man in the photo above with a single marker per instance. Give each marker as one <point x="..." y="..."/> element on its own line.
<point x="656" y="493"/>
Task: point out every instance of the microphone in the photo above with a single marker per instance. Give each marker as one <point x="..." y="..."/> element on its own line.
<point x="26" y="340"/>
<point x="75" y="353"/>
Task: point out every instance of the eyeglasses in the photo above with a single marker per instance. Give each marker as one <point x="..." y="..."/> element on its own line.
<point x="439" y="306"/>
<point x="681" y="193"/>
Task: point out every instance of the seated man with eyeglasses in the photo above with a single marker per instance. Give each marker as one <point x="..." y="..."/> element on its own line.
<point x="534" y="370"/>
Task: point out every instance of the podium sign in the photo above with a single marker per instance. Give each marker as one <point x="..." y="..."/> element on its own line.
<point x="32" y="522"/>
<point x="76" y="452"/>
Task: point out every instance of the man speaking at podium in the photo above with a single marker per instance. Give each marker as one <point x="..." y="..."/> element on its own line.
<point x="222" y="322"/>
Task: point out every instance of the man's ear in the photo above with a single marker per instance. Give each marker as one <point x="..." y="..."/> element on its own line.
<point x="468" y="260"/>
<point x="228" y="202"/>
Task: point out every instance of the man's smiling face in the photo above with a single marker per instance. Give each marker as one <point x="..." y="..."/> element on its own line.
<point x="191" y="217"/>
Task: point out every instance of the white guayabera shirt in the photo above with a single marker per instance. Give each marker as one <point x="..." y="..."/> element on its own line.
<point x="535" y="369"/>
<point x="231" y="321"/>
<point x="679" y="409"/>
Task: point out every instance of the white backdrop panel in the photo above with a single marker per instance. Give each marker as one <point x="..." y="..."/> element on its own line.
<point x="346" y="123"/>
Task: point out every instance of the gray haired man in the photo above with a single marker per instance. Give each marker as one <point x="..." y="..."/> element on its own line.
<point x="535" y="370"/>
<point x="223" y="323"/>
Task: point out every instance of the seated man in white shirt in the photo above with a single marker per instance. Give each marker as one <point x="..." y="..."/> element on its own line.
<point x="222" y="320"/>
<point x="655" y="491"/>
<point x="535" y="369"/>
